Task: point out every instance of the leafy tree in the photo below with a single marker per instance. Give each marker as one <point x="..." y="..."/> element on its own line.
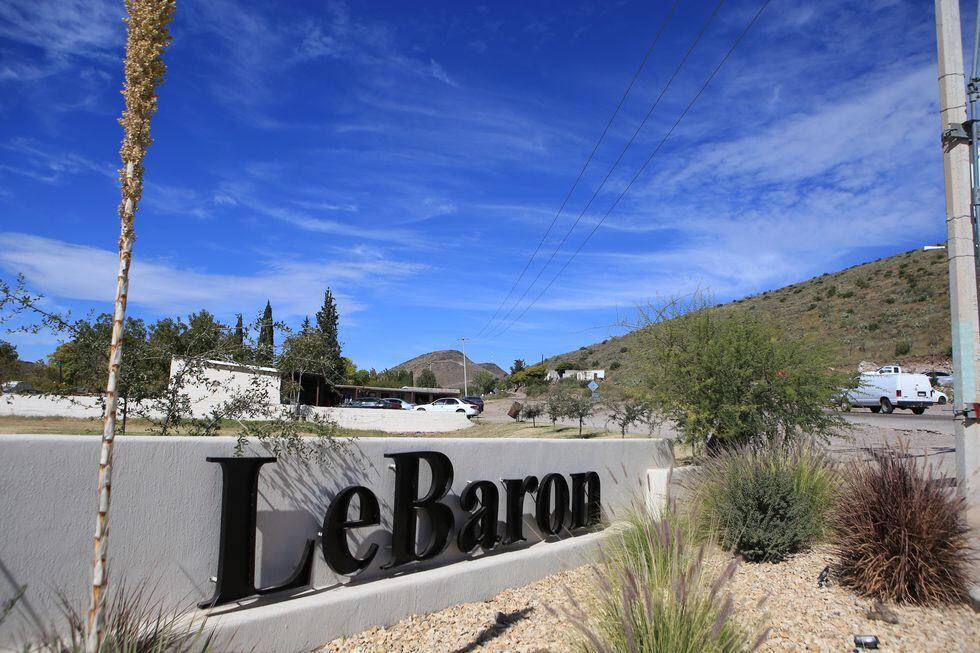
<point x="527" y="376"/>
<point x="205" y="334"/>
<point x="266" y="348"/>
<point x="517" y="366"/>
<point x="8" y="361"/>
<point x="238" y="351"/>
<point x="532" y="412"/>
<point x="733" y="378"/>
<point x="327" y="320"/>
<point x="580" y="406"/>
<point x="556" y="405"/>
<point x="627" y="412"/>
<point x="563" y="367"/>
<point x="484" y="383"/>
<point x="427" y="379"/>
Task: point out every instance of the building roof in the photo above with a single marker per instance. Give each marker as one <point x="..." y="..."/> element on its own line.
<point x="401" y="389"/>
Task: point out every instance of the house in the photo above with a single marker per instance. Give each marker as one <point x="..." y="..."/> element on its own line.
<point x="577" y="375"/>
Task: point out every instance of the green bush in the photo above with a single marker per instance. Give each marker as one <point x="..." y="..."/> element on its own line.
<point x="902" y="347"/>
<point x="764" y="502"/>
<point x="735" y="378"/>
<point x="889" y="300"/>
<point x="653" y="594"/>
<point x="831" y="291"/>
<point x="898" y="534"/>
<point x="615" y="365"/>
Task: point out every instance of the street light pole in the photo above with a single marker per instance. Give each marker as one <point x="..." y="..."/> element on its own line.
<point x="961" y="254"/>
<point x="466" y="390"/>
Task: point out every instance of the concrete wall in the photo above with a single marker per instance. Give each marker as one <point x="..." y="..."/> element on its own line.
<point x="389" y="421"/>
<point x="165" y="525"/>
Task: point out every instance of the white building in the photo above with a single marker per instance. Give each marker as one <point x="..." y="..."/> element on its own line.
<point x="211" y="384"/>
<point x="578" y="375"/>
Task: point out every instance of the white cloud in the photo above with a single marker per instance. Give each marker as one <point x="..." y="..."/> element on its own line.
<point x="79" y="272"/>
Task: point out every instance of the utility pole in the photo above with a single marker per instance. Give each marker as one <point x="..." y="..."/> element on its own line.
<point x="466" y="389"/>
<point x="962" y="258"/>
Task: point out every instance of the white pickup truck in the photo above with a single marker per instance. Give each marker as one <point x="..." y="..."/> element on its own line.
<point x="890" y="388"/>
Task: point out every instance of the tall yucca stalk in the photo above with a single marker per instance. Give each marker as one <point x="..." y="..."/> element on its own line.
<point x="147" y="37"/>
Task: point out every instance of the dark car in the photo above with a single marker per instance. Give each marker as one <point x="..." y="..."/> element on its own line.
<point x="368" y="402"/>
<point x="475" y="401"/>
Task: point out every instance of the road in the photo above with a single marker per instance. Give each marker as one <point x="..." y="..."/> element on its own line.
<point x="930" y="434"/>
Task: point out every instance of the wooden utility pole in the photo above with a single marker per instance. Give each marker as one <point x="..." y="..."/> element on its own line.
<point x="964" y="316"/>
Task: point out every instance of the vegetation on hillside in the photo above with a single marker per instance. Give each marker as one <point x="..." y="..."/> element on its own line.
<point x="892" y="309"/>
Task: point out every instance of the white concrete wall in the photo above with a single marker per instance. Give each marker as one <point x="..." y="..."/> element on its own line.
<point x="390" y="421"/>
<point x="165" y="522"/>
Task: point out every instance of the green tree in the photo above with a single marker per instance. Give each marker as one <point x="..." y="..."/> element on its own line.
<point x="265" y="351"/>
<point x="734" y="378"/>
<point x="580" y="406"/>
<point x="327" y="320"/>
<point x="427" y="379"/>
<point x="484" y="383"/>
<point x="532" y="412"/>
<point x="517" y="366"/>
<point x="556" y="405"/>
<point x="205" y="334"/>
<point x="8" y="361"/>
<point x="238" y="352"/>
<point x="626" y="412"/>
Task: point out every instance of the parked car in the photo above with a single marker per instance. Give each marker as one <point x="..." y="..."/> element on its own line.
<point x="940" y="378"/>
<point x="450" y="405"/>
<point x="17" y="388"/>
<point x="399" y="404"/>
<point x="367" y="402"/>
<point x="889" y="388"/>
<point x="476" y="401"/>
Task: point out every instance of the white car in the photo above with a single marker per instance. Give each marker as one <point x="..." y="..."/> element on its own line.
<point x="450" y="405"/>
<point x="399" y="403"/>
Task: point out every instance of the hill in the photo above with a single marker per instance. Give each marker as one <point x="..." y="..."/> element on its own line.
<point x="894" y="309"/>
<point x="447" y="364"/>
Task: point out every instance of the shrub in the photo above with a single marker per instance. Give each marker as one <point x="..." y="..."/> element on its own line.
<point x="898" y="534"/>
<point x="653" y="594"/>
<point x="135" y="622"/>
<point x="902" y="347"/>
<point x="889" y="300"/>
<point x="615" y="365"/>
<point x="623" y="350"/>
<point x="734" y="378"/>
<point x="764" y="502"/>
<point x="831" y="291"/>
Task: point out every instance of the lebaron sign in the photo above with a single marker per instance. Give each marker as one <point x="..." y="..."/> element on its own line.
<point x="559" y="506"/>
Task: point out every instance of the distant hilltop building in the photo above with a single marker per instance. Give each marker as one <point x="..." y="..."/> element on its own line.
<point x="578" y="375"/>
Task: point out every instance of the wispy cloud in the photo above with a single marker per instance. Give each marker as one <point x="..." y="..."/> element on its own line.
<point x="27" y="158"/>
<point x="79" y="272"/>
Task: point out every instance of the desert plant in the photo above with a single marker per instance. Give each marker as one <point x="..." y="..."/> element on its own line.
<point x="134" y="622"/>
<point x="902" y="347"/>
<point x="653" y="594"/>
<point x="147" y="36"/>
<point x="532" y="412"/>
<point x="733" y="378"/>
<point x="764" y="502"/>
<point x="899" y="535"/>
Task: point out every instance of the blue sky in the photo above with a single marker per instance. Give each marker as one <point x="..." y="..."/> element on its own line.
<point x="412" y="155"/>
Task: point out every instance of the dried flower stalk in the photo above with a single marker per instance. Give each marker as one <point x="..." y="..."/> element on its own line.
<point x="147" y="37"/>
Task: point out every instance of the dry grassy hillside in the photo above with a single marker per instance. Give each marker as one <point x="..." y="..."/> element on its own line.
<point x="893" y="309"/>
<point x="447" y="364"/>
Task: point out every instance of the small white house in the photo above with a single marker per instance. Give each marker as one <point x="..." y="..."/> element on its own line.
<point x="578" y="375"/>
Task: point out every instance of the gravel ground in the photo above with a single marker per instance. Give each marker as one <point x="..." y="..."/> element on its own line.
<point x="802" y="616"/>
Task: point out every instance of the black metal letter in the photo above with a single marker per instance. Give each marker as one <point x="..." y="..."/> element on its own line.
<point x="585" y="512"/>
<point x="481" y="528"/>
<point x="408" y="506"/>
<point x="236" y="550"/>
<point x="552" y="523"/>
<point x="336" y="549"/>
<point x="516" y="488"/>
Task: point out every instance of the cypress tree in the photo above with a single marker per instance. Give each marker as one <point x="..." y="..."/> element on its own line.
<point x="238" y="341"/>
<point x="267" y="346"/>
<point x="326" y="324"/>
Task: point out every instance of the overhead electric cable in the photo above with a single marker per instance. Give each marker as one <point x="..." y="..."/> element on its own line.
<point x="642" y="168"/>
<point x="629" y="143"/>
<point x="595" y="148"/>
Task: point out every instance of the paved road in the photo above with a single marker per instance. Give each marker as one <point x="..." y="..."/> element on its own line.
<point x="928" y="434"/>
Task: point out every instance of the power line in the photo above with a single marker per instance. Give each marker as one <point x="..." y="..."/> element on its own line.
<point x="595" y="148"/>
<point x="629" y="143"/>
<point x="643" y="167"/>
